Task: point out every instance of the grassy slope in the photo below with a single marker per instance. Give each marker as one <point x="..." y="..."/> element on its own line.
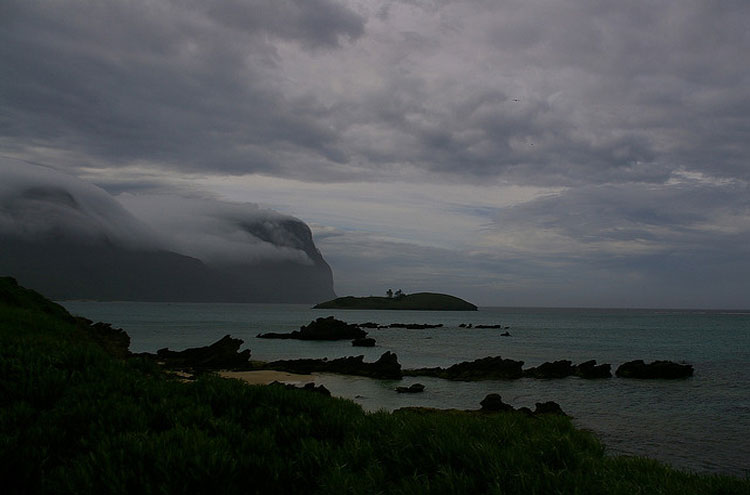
<point x="73" y="419"/>
<point x="420" y="301"/>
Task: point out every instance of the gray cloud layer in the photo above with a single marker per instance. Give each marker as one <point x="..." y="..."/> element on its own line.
<point x="635" y="114"/>
<point x="549" y="92"/>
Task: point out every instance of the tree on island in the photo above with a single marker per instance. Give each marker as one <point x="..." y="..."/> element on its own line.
<point x="389" y="293"/>
<point x="399" y="294"/>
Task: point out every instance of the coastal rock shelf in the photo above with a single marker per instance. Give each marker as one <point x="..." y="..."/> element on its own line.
<point x="494" y="403"/>
<point x="386" y="367"/>
<point x="498" y="368"/>
<point x="658" y="369"/>
<point x="222" y="354"/>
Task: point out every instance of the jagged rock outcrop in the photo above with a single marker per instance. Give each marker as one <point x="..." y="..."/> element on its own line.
<point x="386" y="367"/>
<point x="489" y="368"/>
<point x="321" y="329"/>
<point x="556" y="369"/>
<point x="667" y="370"/>
<point x="223" y="354"/>
<point x="591" y="370"/>
<point x="494" y="403"/>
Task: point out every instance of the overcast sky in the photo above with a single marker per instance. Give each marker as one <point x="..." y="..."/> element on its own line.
<point x="524" y="152"/>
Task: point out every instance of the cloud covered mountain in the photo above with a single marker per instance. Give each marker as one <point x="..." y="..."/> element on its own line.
<point x="71" y="239"/>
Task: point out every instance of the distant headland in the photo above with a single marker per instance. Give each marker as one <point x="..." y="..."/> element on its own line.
<point x="420" y="301"/>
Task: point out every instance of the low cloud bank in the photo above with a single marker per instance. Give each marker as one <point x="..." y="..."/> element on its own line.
<point x="40" y="204"/>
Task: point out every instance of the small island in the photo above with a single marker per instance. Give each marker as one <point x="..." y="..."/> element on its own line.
<point x="420" y="301"/>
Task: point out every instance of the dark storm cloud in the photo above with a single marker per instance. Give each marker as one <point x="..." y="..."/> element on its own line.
<point x="182" y="83"/>
<point x="534" y="92"/>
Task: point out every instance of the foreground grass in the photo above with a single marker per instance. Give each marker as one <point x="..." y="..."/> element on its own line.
<point x="73" y="419"/>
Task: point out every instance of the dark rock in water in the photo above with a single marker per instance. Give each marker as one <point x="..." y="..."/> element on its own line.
<point x="222" y="354"/>
<point x="369" y="324"/>
<point x="364" y="342"/>
<point x="505" y="334"/>
<point x="488" y="326"/>
<point x="658" y="369"/>
<point x="557" y="369"/>
<point x="494" y="403"/>
<point x="590" y="370"/>
<point x="321" y="329"/>
<point x="413" y="389"/>
<point x="489" y="368"/>
<point x="273" y="335"/>
<point x="414" y="326"/>
<point x="549" y="407"/>
<point x="386" y="367"/>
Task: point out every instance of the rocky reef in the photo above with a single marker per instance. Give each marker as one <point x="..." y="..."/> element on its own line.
<point x="224" y="354"/>
<point x="321" y="329"/>
<point x="488" y="368"/>
<point x="386" y="367"/>
<point x="497" y="368"/>
<point x="667" y="370"/>
<point x="494" y="403"/>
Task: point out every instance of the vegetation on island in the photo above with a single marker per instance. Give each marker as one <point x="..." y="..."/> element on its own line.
<point x="421" y="301"/>
<point x="77" y="417"/>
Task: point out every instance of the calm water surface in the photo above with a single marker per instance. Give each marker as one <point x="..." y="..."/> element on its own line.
<point x="700" y="424"/>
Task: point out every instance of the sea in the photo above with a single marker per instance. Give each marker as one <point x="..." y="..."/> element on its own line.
<point x="699" y="424"/>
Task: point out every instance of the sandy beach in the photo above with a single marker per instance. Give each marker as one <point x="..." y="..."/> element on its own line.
<point x="264" y="377"/>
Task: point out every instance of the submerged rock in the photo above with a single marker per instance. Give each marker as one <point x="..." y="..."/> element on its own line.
<point x="321" y="329"/>
<point x="414" y="326"/>
<point x="412" y="389"/>
<point x="222" y="354"/>
<point x="364" y="342"/>
<point x="658" y="369"/>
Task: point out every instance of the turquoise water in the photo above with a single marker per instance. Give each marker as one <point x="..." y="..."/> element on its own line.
<point x="700" y="424"/>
